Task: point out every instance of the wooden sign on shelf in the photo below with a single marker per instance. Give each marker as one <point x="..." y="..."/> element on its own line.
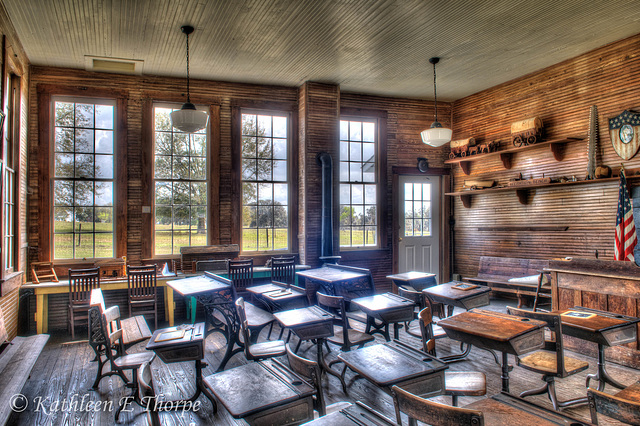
<point x="529" y="182"/>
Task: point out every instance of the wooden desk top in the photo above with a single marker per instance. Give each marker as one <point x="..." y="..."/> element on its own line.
<point x="330" y="275"/>
<point x="276" y="293"/>
<point x="490" y="325"/>
<point x="506" y="409"/>
<point x="198" y="284"/>
<point x="257" y="386"/>
<point x="303" y="316"/>
<point x="357" y="414"/>
<point x="602" y="321"/>
<point x="447" y="291"/>
<point x="382" y="302"/>
<point x="387" y="364"/>
<point x="411" y="276"/>
<point x="192" y="334"/>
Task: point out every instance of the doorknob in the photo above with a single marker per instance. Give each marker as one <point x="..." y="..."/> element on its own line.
<point x="400" y="239"/>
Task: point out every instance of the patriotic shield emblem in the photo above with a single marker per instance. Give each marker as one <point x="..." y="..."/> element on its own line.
<point x="625" y="133"/>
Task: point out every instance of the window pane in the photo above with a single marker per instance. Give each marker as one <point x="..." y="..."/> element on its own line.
<point x="198" y="168"/>
<point x="180" y="167"/>
<point x="199" y="145"/>
<point x="265" y="210"/>
<point x="199" y="194"/>
<point x="180" y="144"/>
<point x="84" y="148"/>
<point x="164" y="194"/>
<point x="358" y="201"/>
<point x="181" y="193"/>
<point x="162" y="167"/>
<point x="163" y="143"/>
<point x="163" y="242"/>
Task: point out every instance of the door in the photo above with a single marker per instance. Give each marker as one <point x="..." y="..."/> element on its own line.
<point x="419" y="242"/>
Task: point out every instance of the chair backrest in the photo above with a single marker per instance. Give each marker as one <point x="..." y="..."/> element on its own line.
<point x="432" y="413"/>
<point x="283" y="269"/>
<point x="244" y="326"/>
<point x="142" y="281"/>
<point x="543" y="290"/>
<point x="81" y="282"/>
<point x="611" y="406"/>
<point x="310" y="371"/>
<point x="554" y="324"/>
<point x="241" y="273"/>
<point x="336" y="306"/>
<point x="112" y="331"/>
<point x="147" y="394"/>
<point x="426" y="330"/>
<point x="97" y="299"/>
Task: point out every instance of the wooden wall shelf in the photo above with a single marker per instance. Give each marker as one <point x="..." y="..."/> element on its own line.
<point x="523" y="191"/>
<point x="555" y="145"/>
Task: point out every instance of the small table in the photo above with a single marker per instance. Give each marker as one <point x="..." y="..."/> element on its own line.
<point x="278" y="298"/>
<point x="472" y="297"/>
<point x="603" y="328"/>
<point x="508" y="334"/>
<point x="311" y="323"/>
<point x="507" y="409"/>
<point x="337" y="280"/>
<point x="180" y="344"/>
<point x="413" y="279"/>
<point x="388" y="308"/>
<point x="263" y="393"/>
<point x="356" y="414"/>
<point x="395" y="363"/>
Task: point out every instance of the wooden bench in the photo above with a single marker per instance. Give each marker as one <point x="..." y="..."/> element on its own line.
<point x="496" y="272"/>
<point x="17" y="359"/>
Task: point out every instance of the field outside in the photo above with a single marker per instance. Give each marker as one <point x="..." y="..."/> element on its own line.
<point x="84" y="242"/>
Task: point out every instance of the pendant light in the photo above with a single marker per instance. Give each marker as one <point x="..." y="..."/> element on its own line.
<point x="188" y="118"/>
<point x="436" y="135"/>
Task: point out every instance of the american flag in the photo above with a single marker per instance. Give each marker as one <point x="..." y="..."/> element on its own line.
<point x="626" y="238"/>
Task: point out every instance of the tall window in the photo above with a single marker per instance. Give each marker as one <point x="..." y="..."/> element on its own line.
<point x="180" y="183"/>
<point x="265" y="188"/>
<point x="83" y="184"/>
<point x="358" y="180"/>
<point x="11" y="139"/>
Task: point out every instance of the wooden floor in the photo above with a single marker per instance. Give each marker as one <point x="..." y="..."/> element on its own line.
<point x="59" y="389"/>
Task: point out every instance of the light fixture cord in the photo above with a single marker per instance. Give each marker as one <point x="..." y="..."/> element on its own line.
<point x="188" y="97"/>
<point x="435" y="95"/>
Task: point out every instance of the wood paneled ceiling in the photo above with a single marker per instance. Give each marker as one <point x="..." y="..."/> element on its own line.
<point x="366" y="46"/>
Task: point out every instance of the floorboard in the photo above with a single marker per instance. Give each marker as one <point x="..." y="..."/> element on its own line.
<point x="65" y="372"/>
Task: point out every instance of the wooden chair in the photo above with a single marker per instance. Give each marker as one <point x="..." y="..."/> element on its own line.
<point x="241" y="275"/>
<point x="283" y="269"/>
<point x="81" y="282"/>
<point x="114" y="353"/>
<point x="543" y="292"/>
<point x="623" y="406"/>
<point x="551" y="361"/>
<point x="420" y="301"/>
<point x="426" y="331"/>
<point x="456" y="383"/>
<point x="432" y="413"/>
<point x="143" y="290"/>
<point x="147" y="394"/>
<point x="345" y="337"/>
<point x="310" y="371"/>
<point x="256" y="351"/>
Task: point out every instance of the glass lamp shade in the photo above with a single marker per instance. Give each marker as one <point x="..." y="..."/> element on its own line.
<point x="436" y="135"/>
<point x="189" y="119"/>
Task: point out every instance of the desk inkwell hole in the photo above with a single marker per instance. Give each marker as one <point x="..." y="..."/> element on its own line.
<point x="296" y="382"/>
<point x="619" y="316"/>
<point x="524" y="319"/>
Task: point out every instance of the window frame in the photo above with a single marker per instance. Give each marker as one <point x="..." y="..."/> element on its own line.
<point x="46" y="93"/>
<point x="207" y="180"/>
<point x="380" y="116"/>
<point x="289" y="109"/>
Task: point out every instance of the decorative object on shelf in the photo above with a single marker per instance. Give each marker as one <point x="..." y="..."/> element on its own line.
<point x="529" y="182"/>
<point x="463" y="147"/>
<point x="188" y="118"/>
<point x="592" y="147"/>
<point x="423" y="165"/>
<point x="436" y="135"/>
<point x="487" y="147"/>
<point x="602" y="172"/>
<point x="478" y="183"/>
<point x="624" y="131"/>
<point x="527" y="132"/>
<point x="112" y="268"/>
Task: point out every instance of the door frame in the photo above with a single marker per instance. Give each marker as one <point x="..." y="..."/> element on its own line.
<point x="445" y="256"/>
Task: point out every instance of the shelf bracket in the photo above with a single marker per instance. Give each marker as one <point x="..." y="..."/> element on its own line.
<point x="466" y="200"/>
<point x="522" y="195"/>
<point x="506" y="160"/>
<point x="466" y="167"/>
<point x="556" y="150"/>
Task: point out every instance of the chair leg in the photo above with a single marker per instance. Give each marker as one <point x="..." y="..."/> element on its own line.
<point x="538" y="391"/>
<point x="298" y="345"/>
<point x="551" y="390"/>
<point x="131" y="398"/>
<point x="454" y="400"/>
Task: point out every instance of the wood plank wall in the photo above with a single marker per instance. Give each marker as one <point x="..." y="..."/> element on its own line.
<point x="561" y="95"/>
<point x="15" y="61"/>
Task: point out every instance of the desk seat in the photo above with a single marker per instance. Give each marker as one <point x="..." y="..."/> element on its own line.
<point x="546" y="361"/>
